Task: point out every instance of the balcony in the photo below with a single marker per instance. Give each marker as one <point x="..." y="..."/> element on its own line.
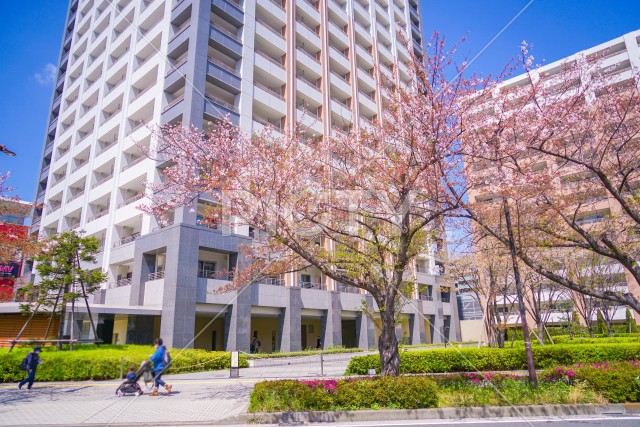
<point x="216" y="275"/>
<point x="157" y="275"/>
<point x="125" y="240"/>
<point x="133" y="163"/>
<point x="223" y="75"/>
<point x="347" y="289"/>
<point x="229" y="10"/>
<point x="220" y="109"/>
<point x="227" y="42"/>
<point x="130" y="200"/>
<point x="271" y="281"/>
<point x="101" y="181"/>
<point x="98" y="215"/>
<point x="75" y="196"/>
<point x="311" y="285"/>
<point x="425" y="297"/>
<point x="122" y="282"/>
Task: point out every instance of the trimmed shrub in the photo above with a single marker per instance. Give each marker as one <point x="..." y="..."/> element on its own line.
<point x="615" y="381"/>
<point x="91" y="363"/>
<point x="347" y="394"/>
<point x="496" y="359"/>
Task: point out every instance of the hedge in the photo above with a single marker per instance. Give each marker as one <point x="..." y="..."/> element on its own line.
<point x="345" y="394"/>
<point x="496" y="359"/>
<point x="91" y="363"/>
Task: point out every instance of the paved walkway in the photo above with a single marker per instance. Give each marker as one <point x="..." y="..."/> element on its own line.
<point x="196" y="398"/>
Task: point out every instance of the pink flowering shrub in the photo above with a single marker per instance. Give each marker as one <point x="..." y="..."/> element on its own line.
<point x="563" y="375"/>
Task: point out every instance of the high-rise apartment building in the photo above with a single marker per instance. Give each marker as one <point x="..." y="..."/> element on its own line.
<point x="620" y="62"/>
<point x="127" y="65"/>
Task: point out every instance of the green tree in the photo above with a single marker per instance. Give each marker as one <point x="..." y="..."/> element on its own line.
<point x="632" y="327"/>
<point x="65" y="275"/>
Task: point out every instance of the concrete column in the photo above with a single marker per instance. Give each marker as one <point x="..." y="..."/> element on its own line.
<point x="365" y="330"/>
<point x="455" y="333"/>
<point x="143" y="264"/>
<point x="416" y="325"/>
<point x="438" y="323"/>
<point x="180" y="288"/>
<point x="290" y="322"/>
<point x="237" y="323"/>
<point x="332" y="322"/>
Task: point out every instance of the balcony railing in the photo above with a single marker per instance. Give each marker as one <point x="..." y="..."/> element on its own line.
<point x="80" y="165"/>
<point x="155" y="275"/>
<point x="133" y="163"/>
<point x="221" y="103"/>
<point x="123" y="282"/>
<point x="278" y="4"/>
<point x="216" y="275"/>
<point x="268" y="58"/>
<point x="308" y="113"/>
<point x="270" y="28"/>
<point x="333" y="73"/>
<point x="172" y="103"/>
<point x="180" y="31"/>
<point x="131" y="200"/>
<point x="101" y="181"/>
<point x="98" y="215"/>
<point x="229" y="33"/>
<point x="106" y="147"/>
<point x="271" y="281"/>
<point x="311" y="285"/>
<point x="75" y="196"/>
<point x="422" y="269"/>
<point x="308" y="55"/>
<point x="304" y="24"/>
<point x="126" y="239"/>
<point x="269" y="90"/>
<point x="315" y="84"/>
<point x="267" y="123"/>
<point x="347" y="289"/>
<point x="445" y="297"/>
<point x="425" y="297"/>
<point x="173" y="68"/>
<point x="224" y="66"/>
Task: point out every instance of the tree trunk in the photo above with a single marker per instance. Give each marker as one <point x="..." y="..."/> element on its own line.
<point x="63" y="309"/>
<point x="591" y="334"/>
<point x="388" y="346"/>
<point x="541" y="333"/>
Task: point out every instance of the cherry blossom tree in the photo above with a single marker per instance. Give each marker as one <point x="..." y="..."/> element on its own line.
<point x="360" y="207"/>
<point x="561" y="148"/>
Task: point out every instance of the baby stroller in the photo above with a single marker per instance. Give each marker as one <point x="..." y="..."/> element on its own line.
<point x="132" y="386"/>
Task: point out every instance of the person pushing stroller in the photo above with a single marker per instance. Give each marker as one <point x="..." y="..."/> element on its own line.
<point x="161" y="361"/>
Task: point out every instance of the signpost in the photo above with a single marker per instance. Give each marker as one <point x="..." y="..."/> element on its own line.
<point x="235" y="365"/>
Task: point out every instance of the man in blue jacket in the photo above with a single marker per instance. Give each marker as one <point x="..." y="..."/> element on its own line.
<point x="33" y="360"/>
<point x="159" y="359"/>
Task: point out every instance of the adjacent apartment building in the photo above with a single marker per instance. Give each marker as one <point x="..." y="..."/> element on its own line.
<point x="621" y="61"/>
<point x="129" y="64"/>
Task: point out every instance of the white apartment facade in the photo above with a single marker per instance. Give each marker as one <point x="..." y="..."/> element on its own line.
<point x="127" y="65"/>
<point x="621" y="63"/>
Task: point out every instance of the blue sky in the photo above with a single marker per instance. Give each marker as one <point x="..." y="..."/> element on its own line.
<point x="32" y="33"/>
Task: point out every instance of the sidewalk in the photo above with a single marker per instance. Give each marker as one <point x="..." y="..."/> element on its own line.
<point x="196" y="397"/>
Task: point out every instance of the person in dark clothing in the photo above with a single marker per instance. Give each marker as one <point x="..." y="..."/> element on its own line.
<point x="33" y="360"/>
<point x="319" y="344"/>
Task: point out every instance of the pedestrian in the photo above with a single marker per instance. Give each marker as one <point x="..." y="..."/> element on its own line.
<point x="319" y="343"/>
<point x="255" y="344"/>
<point x="30" y="364"/>
<point x="161" y="361"/>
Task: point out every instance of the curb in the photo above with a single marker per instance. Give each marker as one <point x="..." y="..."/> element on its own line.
<point x="431" y="414"/>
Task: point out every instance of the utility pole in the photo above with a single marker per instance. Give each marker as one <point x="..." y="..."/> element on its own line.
<point x="523" y="315"/>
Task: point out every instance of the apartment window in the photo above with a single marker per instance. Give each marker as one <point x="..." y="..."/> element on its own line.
<point x="592" y="217"/>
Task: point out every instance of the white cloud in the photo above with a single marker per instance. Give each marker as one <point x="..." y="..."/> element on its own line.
<point x="47" y="76"/>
